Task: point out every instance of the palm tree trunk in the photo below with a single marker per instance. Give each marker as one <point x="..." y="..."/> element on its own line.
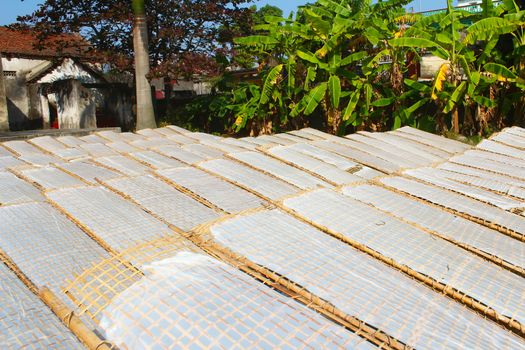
<point x="145" y="114"/>
<point x="4" y="121"/>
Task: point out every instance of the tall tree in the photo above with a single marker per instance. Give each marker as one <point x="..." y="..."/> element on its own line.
<point x="184" y="37"/>
<point x="4" y="121"/>
<point x="145" y="113"/>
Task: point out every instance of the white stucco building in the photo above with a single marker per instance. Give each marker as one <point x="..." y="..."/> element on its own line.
<point x="49" y="87"/>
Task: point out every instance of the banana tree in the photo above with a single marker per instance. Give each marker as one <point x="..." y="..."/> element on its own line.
<point x="279" y="70"/>
<point x="506" y="24"/>
<point x="457" y="80"/>
<point x="345" y="63"/>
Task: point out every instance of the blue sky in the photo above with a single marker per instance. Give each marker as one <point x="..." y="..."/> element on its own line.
<point x="13" y="8"/>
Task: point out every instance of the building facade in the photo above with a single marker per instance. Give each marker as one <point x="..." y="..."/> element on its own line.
<point x="49" y="87"/>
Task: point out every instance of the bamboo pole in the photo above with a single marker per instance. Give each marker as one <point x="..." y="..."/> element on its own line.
<point x="68" y="317"/>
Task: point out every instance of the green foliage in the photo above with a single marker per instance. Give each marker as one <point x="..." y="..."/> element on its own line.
<point x="348" y="64"/>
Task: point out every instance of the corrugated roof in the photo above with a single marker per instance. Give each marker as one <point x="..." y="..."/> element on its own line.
<point x="174" y="239"/>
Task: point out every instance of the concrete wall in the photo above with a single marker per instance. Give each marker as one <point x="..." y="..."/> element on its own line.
<point x="20" y="65"/>
<point x="68" y="70"/>
<point x="18" y="104"/>
<point x="119" y="104"/>
<point x="76" y="105"/>
<point x="430" y="66"/>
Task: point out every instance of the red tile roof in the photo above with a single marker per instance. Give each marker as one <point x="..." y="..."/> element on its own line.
<point x="26" y="43"/>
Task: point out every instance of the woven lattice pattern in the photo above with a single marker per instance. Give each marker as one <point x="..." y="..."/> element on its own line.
<point x="9" y="162"/>
<point x="239" y="143"/>
<point x="438" y="178"/>
<point x="70" y="141"/>
<point x="164" y="201"/>
<point x="280" y="170"/>
<point x="117" y="222"/>
<point x="393" y="153"/>
<point x="48" y="143"/>
<point x="511" y="139"/>
<point x="420" y="251"/>
<point x="358" y="284"/>
<point x="499" y="148"/>
<point x="440" y="142"/>
<point x="178" y="153"/>
<point x="97" y="286"/>
<point x="153" y="142"/>
<point x="204" y="151"/>
<point x="194" y="301"/>
<point x="479" y="173"/>
<point x="124" y="165"/>
<point x="39" y="159"/>
<point x="431" y="153"/>
<point x="324" y="155"/>
<point x="22" y="147"/>
<point x="25" y="322"/>
<point x="223" y="146"/>
<point x="181" y="139"/>
<point x="327" y="171"/>
<point x="305" y="134"/>
<point x="505" y="187"/>
<point x="490" y="165"/>
<point x="45" y="245"/>
<point x="458" y="203"/>
<point x="93" y="138"/>
<point x="402" y="162"/>
<point x="156" y="160"/>
<point x="89" y="171"/>
<point x="431" y="257"/>
<point x="122" y="147"/>
<point x="51" y="178"/>
<point x="220" y="193"/>
<point x="359" y="156"/>
<point x="97" y="149"/>
<point x="441" y="222"/>
<point x="14" y="190"/>
<point x="249" y="178"/>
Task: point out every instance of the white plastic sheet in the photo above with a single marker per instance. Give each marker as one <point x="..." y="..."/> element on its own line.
<point x="359" y="285"/>
<point x="118" y="222"/>
<point x="165" y="201"/>
<point x="26" y="322"/>
<point x="195" y="302"/>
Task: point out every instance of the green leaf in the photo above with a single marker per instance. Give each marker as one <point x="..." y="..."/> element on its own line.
<point x="334" y="87"/>
<point x="500" y="71"/>
<point x="354" y="98"/>
<point x="484" y="101"/>
<point x="308" y="56"/>
<point x="419" y="43"/>
<point x="311" y="74"/>
<point x="372" y="35"/>
<point x="318" y="24"/>
<point x="416" y="85"/>
<point x="337" y="8"/>
<point x="383" y="102"/>
<point x="269" y="84"/>
<point x="255" y="40"/>
<point x="397" y="122"/>
<point x="456" y="96"/>
<point x="314" y="98"/>
<point x="489" y="27"/>
<point x="412" y="109"/>
<point x="311" y="101"/>
<point x="358" y="56"/>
